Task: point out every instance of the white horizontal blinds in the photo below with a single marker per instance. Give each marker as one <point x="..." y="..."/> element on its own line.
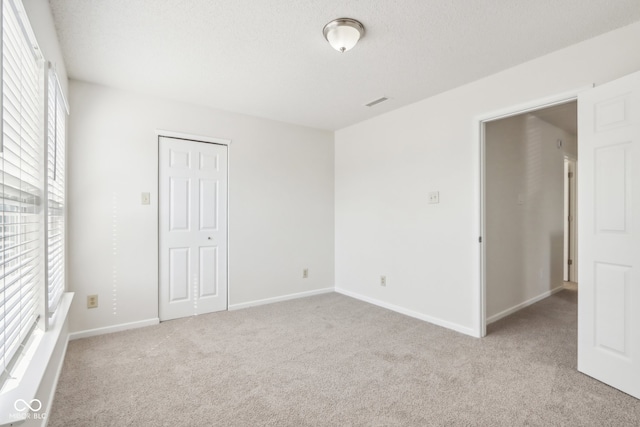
<point x="56" y="113"/>
<point x="20" y="249"/>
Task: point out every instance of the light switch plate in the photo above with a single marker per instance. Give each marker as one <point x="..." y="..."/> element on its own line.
<point x="434" y="197"/>
<point x="146" y="198"/>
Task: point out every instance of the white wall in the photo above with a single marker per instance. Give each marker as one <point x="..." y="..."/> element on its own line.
<point x="385" y="167"/>
<point x="524" y="199"/>
<point x="280" y="203"/>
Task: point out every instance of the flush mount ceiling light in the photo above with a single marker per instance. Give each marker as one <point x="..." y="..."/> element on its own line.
<point x="343" y="33"/>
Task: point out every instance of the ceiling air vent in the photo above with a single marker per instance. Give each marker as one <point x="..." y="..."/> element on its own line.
<point x="377" y="101"/>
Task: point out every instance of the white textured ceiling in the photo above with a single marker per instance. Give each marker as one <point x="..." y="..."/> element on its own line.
<point x="268" y="58"/>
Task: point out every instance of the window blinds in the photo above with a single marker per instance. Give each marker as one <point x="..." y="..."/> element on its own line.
<point x="20" y="185"/>
<point x="56" y="120"/>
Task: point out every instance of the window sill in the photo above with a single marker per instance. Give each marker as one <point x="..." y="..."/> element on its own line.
<point x="17" y="397"/>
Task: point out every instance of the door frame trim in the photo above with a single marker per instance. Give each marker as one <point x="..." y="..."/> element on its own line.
<point x="480" y="303"/>
<point x="192" y="137"/>
<point x="573" y="211"/>
<point x="205" y="140"/>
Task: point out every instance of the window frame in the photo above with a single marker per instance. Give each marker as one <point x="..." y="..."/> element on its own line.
<point x="20" y="60"/>
<point x="57" y="111"/>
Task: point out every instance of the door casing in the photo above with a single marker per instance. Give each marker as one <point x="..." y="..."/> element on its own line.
<point x="479" y="128"/>
<point x="571" y="252"/>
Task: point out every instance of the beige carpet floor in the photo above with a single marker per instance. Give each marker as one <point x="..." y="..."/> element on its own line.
<point x="330" y="360"/>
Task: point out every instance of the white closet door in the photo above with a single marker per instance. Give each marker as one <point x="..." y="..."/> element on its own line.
<point x="193" y="228"/>
<point x="609" y="234"/>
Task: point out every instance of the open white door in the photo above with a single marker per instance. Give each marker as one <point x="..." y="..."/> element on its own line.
<point x="192" y="228"/>
<point x="609" y="234"/>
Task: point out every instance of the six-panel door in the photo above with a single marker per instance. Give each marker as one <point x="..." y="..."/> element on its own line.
<point x="192" y="228"/>
<point x="609" y="233"/>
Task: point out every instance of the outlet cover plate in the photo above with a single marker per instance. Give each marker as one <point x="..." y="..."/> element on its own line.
<point x="92" y="301"/>
<point x="434" y="197"/>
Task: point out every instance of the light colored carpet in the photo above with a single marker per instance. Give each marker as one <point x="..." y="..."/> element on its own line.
<point x="330" y="360"/>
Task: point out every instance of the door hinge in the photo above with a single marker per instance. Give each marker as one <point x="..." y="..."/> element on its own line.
<point x="570" y="174"/>
<point x="480" y="239"/>
<point x="570" y="262"/>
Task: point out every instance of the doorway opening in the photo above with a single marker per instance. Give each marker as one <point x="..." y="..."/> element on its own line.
<point x="528" y="204"/>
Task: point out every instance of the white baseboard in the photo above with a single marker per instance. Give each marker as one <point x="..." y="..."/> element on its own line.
<point x="279" y="299"/>
<point x="114" y="328"/>
<point x="524" y="304"/>
<point x="410" y="313"/>
<point x="155" y="321"/>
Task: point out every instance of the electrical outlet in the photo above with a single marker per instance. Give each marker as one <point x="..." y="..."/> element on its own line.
<point x="305" y="273"/>
<point x="434" y="197"/>
<point x="383" y="280"/>
<point x="92" y="301"/>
